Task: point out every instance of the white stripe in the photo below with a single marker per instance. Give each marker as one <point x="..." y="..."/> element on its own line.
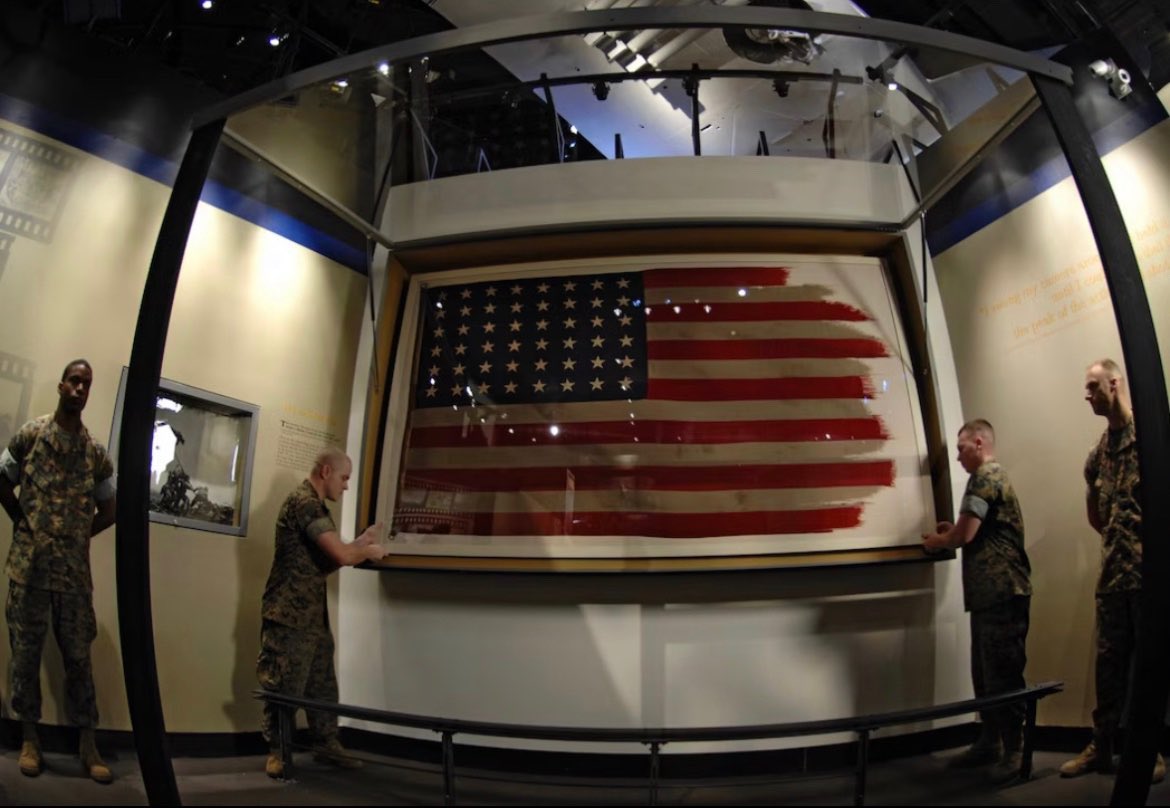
<point x="574" y="412"/>
<point x="633" y="455"/>
<point x="771" y="368"/>
<point x="781" y="499"/>
<point x="767" y="329"/>
<point x="730" y="294"/>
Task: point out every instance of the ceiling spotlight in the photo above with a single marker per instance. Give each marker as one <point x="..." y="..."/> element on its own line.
<point x="600" y="90"/>
<point x="275" y="39"/>
<point x="207" y="4"/>
<point x="893" y="85"/>
<point x="384" y="68"/>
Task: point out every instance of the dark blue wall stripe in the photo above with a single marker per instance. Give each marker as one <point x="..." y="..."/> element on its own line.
<point x="164" y="171"/>
<point x="1046" y="175"/>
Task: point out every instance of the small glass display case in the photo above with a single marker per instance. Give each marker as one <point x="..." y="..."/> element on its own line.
<point x="201" y="457"/>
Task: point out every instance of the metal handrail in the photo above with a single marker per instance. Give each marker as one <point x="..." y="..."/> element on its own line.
<point x="863" y="725"/>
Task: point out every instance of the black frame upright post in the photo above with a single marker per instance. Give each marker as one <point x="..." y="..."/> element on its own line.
<point x="132" y="542"/>
<point x="1151" y="409"/>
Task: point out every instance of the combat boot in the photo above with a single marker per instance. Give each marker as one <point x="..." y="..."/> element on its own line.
<point x="91" y="760"/>
<point x="986" y="749"/>
<point x="31" y="761"/>
<point x="333" y="753"/>
<point x="1096" y="757"/>
<point x="1007" y="769"/>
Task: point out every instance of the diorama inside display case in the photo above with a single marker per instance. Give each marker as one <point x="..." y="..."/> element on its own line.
<point x="201" y="457"/>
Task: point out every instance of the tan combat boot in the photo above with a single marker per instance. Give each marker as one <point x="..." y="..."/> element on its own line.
<point x="91" y="761"/>
<point x="31" y="761"/>
<point x="1007" y="769"/>
<point x="274" y="766"/>
<point x="1096" y="757"/>
<point x="333" y="753"/>
<point x="986" y="749"/>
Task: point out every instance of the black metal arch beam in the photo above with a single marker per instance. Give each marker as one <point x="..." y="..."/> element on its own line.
<point x="132" y="541"/>
<point x="625" y="19"/>
<point x="1151" y="410"/>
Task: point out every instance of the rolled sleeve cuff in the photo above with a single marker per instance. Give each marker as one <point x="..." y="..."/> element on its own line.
<point x="106" y="489"/>
<point x="319" y="527"/>
<point x="9" y="467"/>
<point x="976" y="506"/>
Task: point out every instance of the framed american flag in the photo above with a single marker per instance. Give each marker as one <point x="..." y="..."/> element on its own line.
<point x="636" y="408"/>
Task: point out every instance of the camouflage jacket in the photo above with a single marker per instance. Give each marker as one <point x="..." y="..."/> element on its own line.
<point x="61" y="476"/>
<point x="295" y="593"/>
<point x="995" y="565"/>
<point x="1112" y="474"/>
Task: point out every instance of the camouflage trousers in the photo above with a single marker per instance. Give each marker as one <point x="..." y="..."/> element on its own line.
<point x="297" y="662"/>
<point x="998" y="656"/>
<point x="29" y="612"/>
<point x="1117" y="638"/>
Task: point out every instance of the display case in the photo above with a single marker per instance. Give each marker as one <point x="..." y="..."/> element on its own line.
<point x="201" y="457"/>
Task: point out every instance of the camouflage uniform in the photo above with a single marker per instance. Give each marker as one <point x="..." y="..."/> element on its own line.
<point x="62" y="477"/>
<point x="997" y="592"/>
<point x="1111" y="472"/>
<point x="296" y="645"/>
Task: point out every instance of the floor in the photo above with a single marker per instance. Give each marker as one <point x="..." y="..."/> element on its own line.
<point x="922" y="780"/>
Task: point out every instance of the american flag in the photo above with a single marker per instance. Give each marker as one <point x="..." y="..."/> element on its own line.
<point x="672" y="403"/>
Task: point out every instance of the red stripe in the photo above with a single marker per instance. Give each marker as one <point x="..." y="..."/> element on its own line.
<point x="666" y="525"/>
<point x="753" y="312"/>
<point x="715" y="276"/>
<point x="793" y="348"/>
<point x="658" y="478"/>
<point x="792" y="387"/>
<point x="636" y="431"/>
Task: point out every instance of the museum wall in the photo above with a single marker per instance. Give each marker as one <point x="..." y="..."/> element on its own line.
<point x="672" y="649"/>
<point x="1028" y="310"/>
<point x="257" y="317"/>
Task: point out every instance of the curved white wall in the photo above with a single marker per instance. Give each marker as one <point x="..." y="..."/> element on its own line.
<point x="671" y="649"/>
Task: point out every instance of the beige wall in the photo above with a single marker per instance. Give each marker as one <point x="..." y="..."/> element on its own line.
<point x="1028" y="309"/>
<point x="256" y="318"/>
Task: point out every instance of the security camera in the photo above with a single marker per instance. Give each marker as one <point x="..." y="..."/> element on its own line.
<point x="1119" y="84"/>
<point x="1118" y="78"/>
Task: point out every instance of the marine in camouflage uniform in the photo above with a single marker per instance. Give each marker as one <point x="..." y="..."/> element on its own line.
<point x="1112" y="478"/>
<point x="1111" y="472"/>
<point x="997" y="592"/>
<point x="296" y="644"/>
<point x="62" y="477"/>
<point x="67" y="491"/>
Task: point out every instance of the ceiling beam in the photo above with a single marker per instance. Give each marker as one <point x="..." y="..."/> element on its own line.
<point x="583" y="22"/>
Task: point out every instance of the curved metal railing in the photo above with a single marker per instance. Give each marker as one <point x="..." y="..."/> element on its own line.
<point x="654" y="738"/>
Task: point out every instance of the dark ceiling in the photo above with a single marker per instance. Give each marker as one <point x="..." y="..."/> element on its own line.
<point x="226" y="45"/>
<point x="232" y="45"/>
